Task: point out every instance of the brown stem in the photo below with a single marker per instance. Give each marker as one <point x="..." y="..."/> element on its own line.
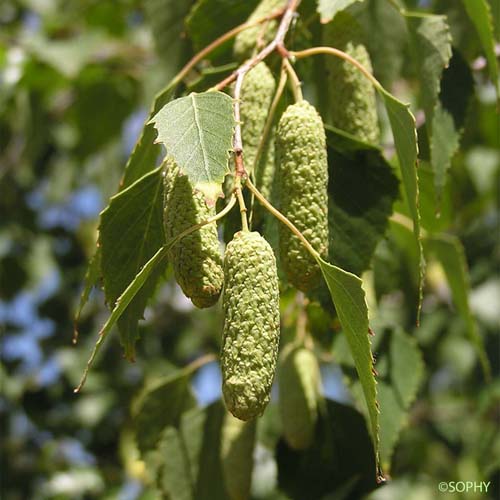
<point x="338" y="53"/>
<point x="222" y="39"/>
<point x="278" y="41"/>
<point x="294" y="80"/>
<point x="239" y="75"/>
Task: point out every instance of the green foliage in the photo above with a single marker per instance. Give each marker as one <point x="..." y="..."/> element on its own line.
<point x="135" y="247"/>
<point x="251" y="324"/>
<point x="349" y="299"/>
<point x="450" y="253"/>
<point x="197" y="132"/>
<point x="362" y="188"/>
<point x="332" y="461"/>
<point x="480" y="14"/>
<point x="405" y="141"/>
<point x="327" y="9"/>
<point x="78" y="79"/>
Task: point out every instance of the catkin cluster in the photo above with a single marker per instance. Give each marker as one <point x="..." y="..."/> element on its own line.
<point x="256" y="96"/>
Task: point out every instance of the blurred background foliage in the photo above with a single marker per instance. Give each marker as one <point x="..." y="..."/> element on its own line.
<point x="76" y="80"/>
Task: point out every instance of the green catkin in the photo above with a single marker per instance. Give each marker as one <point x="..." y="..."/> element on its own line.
<point x="299" y="382"/>
<point x="251" y="324"/>
<point x="256" y="96"/>
<point x="303" y="183"/>
<point x="196" y="258"/>
<point x="246" y="41"/>
<point x="257" y="93"/>
<point x="353" y="106"/>
<point x="237" y="445"/>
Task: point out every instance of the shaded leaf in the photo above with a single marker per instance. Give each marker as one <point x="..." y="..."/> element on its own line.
<point x="362" y="188"/>
<point x="406" y="367"/>
<point x="349" y="299"/>
<point x="342" y="452"/>
<point x="392" y="420"/>
<point x="160" y="406"/>
<point x="189" y="455"/>
<point x="398" y="391"/>
<point x="197" y="131"/>
<point x="479" y="13"/>
<point x="130" y="233"/>
<point x="386" y="39"/>
<point x="431" y="43"/>
<point x="450" y="253"/>
<point x="142" y="160"/>
<point x="209" y="19"/>
<point x="328" y="8"/>
<point x="122" y="303"/>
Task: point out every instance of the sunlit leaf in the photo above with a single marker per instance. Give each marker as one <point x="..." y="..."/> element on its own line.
<point x="197" y="131"/>
<point x="328" y="8"/>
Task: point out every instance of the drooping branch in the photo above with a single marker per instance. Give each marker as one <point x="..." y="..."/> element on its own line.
<point x="239" y="75"/>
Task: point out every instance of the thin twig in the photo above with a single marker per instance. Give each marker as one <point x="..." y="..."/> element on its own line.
<point x="241" y="202"/>
<point x="222" y="39"/>
<point x="274" y="44"/>
<point x="294" y="81"/>
<point x="338" y="53"/>
<point x="199" y="362"/>
<point x="239" y="75"/>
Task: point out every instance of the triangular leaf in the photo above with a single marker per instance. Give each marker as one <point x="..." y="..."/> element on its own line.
<point x="197" y="131"/>
<point x="142" y="160"/>
<point x="349" y="299"/>
<point x="450" y="253"/>
<point x="328" y="8"/>
<point x="130" y="233"/>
